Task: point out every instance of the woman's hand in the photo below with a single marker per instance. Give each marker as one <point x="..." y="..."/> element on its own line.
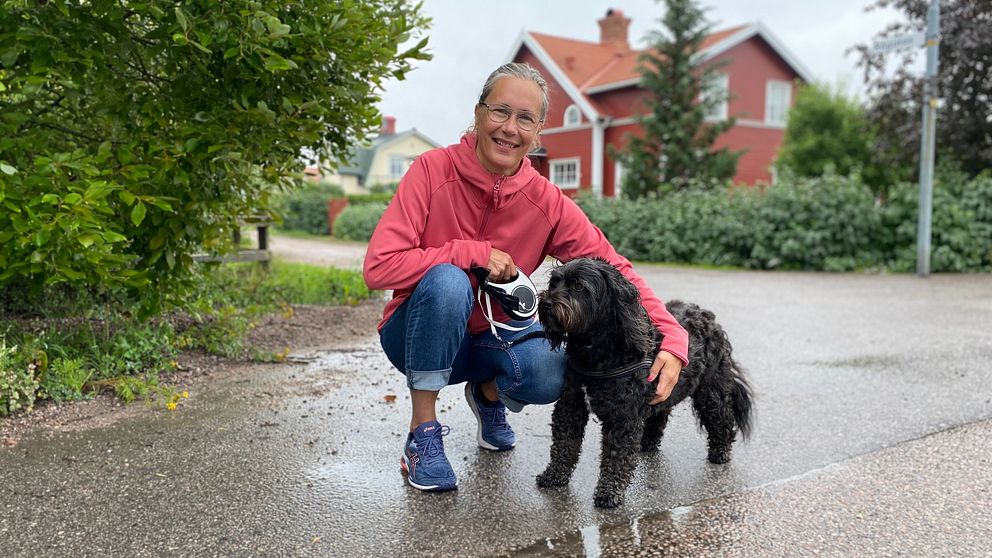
<point x="668" y="367"/>
<point x="501" y="268"/>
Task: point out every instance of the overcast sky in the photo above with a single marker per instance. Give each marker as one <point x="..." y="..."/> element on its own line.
<point x="470" y="38"/>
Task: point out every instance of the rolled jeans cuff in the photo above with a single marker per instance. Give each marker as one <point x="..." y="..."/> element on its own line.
<point x="431" y="380"/>
<point x="512" y="404"/>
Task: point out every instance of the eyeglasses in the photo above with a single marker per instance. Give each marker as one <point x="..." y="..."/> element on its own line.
<point x="500" y="114"/>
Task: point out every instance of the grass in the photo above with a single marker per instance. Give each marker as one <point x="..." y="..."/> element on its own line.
<point x="71" y="350"/>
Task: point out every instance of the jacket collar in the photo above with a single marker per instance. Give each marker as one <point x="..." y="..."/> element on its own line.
<point x="472" y="171"/>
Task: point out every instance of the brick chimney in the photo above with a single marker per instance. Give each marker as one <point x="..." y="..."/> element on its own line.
<point x="388" y="126"/>
<point x="613" y="30"/>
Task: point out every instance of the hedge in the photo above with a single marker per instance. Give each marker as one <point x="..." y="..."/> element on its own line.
<point x="830" y="223"/>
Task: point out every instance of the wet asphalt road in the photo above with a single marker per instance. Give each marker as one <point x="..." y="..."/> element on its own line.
<point x="874" y="414"/>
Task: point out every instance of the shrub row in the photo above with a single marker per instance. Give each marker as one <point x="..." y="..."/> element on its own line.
<point x="357" y="221"/>
<point x="829" y="223"/>
<point x="305" y="210"/>
<point x="96" y="344"/>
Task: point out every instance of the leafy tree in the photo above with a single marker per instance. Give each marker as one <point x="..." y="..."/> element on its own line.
<point x="828" y="131"/>
<point x="676" y="149"/>
<point x="134" y="134"/>
<point x="964" y="130"/>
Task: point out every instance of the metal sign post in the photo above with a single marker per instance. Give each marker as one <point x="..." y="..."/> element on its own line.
<point x="928" y="143"/>
<point x="930" y="39"/>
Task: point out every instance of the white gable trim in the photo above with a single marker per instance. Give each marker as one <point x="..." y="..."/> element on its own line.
<point x="759" y="29"/>
<point x="719" y="48"/>
<point x="525" y="39"/>
<point x="611" y="86"/>
<point x="413" y="132"/>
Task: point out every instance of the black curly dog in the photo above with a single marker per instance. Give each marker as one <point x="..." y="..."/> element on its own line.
<point x="593" y="310"/>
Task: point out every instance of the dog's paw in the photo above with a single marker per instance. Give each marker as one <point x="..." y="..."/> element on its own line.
<point x="608" y="500"/>
<point x="550" y="479"/>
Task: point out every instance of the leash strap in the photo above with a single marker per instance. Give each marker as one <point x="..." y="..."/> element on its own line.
<point x="613" y="373"/>
<point x="487" y="312"/>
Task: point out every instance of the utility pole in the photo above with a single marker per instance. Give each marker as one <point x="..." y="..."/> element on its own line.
<point x="928" y="142"/>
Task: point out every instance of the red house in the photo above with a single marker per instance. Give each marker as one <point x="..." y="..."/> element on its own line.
<point x="595" y="96"/>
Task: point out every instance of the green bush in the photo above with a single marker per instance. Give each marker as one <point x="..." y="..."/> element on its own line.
<point x="358" y="221"/>
<point x="829" y="223"/>
<point x="961" y="226"/>
<point x="382" y="197"/>
<point x="305" y="210"/>
<point x="91" y="347"/>
<point x="65" y="379"/>
<point x="18" y="382"/>
<point x="137" y="134"/>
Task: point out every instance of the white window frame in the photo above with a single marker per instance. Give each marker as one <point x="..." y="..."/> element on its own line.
<point x="572" y="117"/>
<point x="557" y="166"/>
<point x="399" y="163"/>
<point x="778" y="99"/>
<point x="719" y="85"/>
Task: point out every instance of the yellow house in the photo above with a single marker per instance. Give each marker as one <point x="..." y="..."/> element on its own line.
<point x="382" y="163"/>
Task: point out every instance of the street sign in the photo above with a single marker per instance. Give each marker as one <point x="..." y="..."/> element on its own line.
<point x="900" y="42"/>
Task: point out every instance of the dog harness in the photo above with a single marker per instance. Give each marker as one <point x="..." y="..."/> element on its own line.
<point x="613" y="372"/>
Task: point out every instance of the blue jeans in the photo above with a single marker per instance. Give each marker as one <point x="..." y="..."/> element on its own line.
<point x="427" y="339"/>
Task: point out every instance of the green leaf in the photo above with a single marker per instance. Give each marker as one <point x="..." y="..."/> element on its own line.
<point x="42" y="237"/>
<point x="200" y="47"/>
<point x="9" y="56"/>
<point x="6" y="168"/>
<point x="126" y="197"/>
<point x="52" y="199"/>
<point x="181" y="18"/>
<point x="138" y="214"/>
<point x="72" y="274"/>
<point x="276" y="63"/>
<point x="111" y="236"/>
<point x="87" y="240"/>
<point x="160" y="203"/>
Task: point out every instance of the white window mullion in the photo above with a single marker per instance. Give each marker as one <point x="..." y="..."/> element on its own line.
<point x="565" y="173"/>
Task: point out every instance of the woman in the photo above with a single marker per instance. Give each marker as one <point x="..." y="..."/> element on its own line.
<point x="480" y="203"/>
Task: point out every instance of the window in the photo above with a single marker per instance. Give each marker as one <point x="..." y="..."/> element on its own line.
<point x="572" y="116"/>
<point x="565" y="173"/>
<point x="398" y="165"/>
<point x="717" y="91"/>
<point x="778" y="97"/>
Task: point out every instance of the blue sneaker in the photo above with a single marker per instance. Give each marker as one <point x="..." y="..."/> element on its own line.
<point x="494" y="432"/>
<point x="424" y="461"/>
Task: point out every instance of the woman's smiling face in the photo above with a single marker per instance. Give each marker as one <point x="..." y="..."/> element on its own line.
<point x="502" y="146"/>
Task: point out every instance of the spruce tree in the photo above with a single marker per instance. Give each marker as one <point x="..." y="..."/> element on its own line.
<point x="676" y="150"/>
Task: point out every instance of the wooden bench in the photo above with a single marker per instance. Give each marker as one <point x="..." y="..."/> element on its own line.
<point x="260" y="254"/>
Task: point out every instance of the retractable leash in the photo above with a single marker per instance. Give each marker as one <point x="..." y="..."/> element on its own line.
<point x="517" y="297"/>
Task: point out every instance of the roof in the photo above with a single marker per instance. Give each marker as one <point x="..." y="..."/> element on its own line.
<point x="360" y="157"/>
<point x="585" y="68"/>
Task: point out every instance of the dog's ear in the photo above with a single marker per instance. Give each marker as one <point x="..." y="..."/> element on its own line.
<point x="622" y="290"/>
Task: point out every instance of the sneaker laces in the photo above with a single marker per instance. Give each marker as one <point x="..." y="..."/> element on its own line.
<point x="496" y="415"/>
<point x="433" y="444"/>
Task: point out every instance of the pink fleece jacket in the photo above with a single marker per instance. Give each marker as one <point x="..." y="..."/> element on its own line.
<point x="449" y="209"/>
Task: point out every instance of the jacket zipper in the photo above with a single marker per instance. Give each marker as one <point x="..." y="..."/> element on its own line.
<point x="489" y="208"/>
